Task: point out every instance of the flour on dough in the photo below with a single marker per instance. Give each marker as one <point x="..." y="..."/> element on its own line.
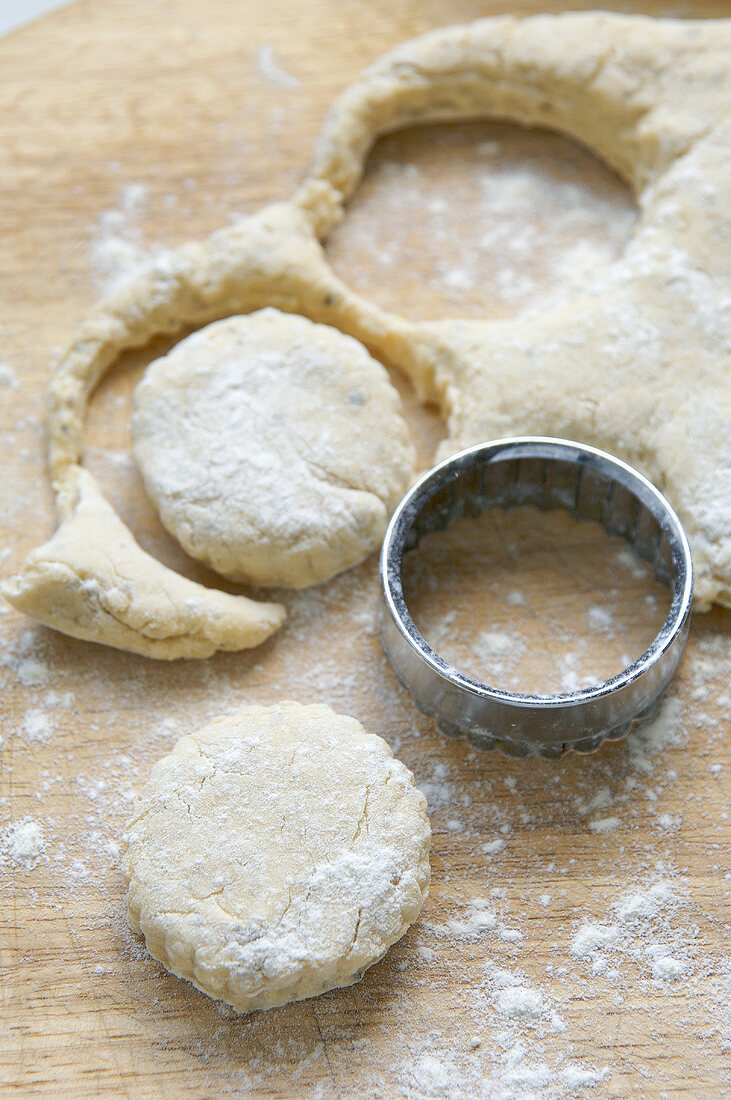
<point x="255" y="876"/>
<point x="274" y="448"/>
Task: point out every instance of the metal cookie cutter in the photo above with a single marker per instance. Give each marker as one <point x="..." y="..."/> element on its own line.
<point x="547" y="473"/>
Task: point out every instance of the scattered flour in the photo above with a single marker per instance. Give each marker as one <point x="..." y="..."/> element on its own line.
<point x="22" y="843"/>
<point x="600" y="618"/>
<point x="431" y="1076"/>
<point x="117" y="249"/>
<point x="33" y="672"/>
<point x="479" y="918"/>
<point x="37" y="726"/>
<point x="637" y="567"/>
<point x="602" y="799"/>
<point x="519" y="1001"/>
<point x="494" y="847"/>
<point x="525" y="1079"/>
<point x="542" y="235"/>
<point x="493" y="654"/>
<point x="647" y="904"/>
<point x="569" y="678"/>
<point x="437" y="789"/>
<point x="667" y="729"/>
<point x="522" y="1007"/>
<point x="494" y="644"/>
<point x="591" y="938"/>
<point x="520" y="1075"/>
<point x="665" y="967"/>
<point x="604" y="824"/>
<point x="7" y="376"/>
<point x="640" y="915"/>
<point x="576" y="1077"/>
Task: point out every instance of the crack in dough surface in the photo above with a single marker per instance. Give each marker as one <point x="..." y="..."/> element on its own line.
<point x="274" y="448"/>
<point x="254" y="876"/>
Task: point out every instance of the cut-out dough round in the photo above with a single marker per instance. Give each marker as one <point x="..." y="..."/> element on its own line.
<point x="637" y="365"/>
<point x="254" y="876"/>
<point x="274" y="448"/>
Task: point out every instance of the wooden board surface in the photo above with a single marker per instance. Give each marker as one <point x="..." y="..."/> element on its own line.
<point x="125" y="128"/>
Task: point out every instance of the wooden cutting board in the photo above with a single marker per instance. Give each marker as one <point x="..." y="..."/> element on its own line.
<point x="125" y="128"/>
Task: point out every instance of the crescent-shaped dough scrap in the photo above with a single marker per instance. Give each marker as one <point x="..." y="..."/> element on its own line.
<point x="638" y="365"/>
<point x="117" y="594"/>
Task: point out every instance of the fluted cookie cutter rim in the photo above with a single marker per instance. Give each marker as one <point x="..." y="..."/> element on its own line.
<point x="548" y="473"/>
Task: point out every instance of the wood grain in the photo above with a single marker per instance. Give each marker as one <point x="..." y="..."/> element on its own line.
<point x="169" y="95"/>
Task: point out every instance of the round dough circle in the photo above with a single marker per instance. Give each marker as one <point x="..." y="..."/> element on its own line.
<point x="275" y="854"/>
<point x="274" y="448"/>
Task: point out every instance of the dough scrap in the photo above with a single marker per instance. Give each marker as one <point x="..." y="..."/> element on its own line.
<point x="274" y="449"/>
<point x="637" y="365"/>
<point x="121" y="596"/>
<point x="257" y="878"/>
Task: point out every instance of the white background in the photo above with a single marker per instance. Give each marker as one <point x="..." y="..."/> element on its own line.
<point x="13" y="13"/>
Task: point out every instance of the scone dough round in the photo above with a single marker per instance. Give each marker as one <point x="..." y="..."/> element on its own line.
<point x="275" y="854"/>
<point x="274" y="448"/>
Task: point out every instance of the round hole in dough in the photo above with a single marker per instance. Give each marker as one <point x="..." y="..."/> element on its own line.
<point x="275" y="854"/>
<point x="274" y="448"/>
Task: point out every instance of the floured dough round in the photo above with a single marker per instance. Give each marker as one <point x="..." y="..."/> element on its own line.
<point x="275" y="854"/>
<point x="274" y="448"/>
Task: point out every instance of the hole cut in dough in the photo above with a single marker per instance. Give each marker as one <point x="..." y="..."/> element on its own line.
<point x="480" y="220"/>
<point x="254" y="876"/>
<point x="273" y="448"/>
